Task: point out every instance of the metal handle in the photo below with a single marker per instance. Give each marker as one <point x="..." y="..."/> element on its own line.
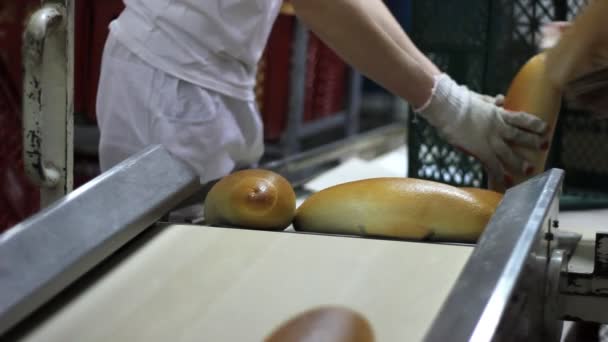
<point x="48" y="20"/>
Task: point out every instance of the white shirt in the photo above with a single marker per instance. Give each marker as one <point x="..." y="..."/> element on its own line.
<point x="215" y="44"/>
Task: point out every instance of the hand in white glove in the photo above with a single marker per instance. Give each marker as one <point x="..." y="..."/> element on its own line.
<point x="498" y="100"/>
<point x="475" y="124"/>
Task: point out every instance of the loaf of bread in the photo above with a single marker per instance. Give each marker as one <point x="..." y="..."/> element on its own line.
<point x="324" y="324"/>
<point x="531" y="91"/>
<point x="254" y="198"/>
<point x="398" y="207"/>
<point x="489" y="197"/>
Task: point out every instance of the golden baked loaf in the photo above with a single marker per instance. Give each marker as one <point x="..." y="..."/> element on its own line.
<point x="490" y="197"/>
<point x="253" y="198"/>
<point x="531" y="91"/>
<point x="398" y="207"/>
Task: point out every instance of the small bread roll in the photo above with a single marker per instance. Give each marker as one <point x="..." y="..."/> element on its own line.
<point x="326" y="324"/>
<point x="398" y="207"/>
<point x="532" y="92"/>
<point x="255" y="198"/>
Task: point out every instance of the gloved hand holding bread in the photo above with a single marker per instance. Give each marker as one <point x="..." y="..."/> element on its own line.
<point x="509" y="141"/>
<point x="485" y="130"/>
<point x="514" y="141"/>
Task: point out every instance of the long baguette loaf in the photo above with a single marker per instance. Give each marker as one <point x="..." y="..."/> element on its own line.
<point x="489" y="197"/>
<point x="253" y="198"/>
<point x="532" y="91"/>
<point x="398" y="207"/>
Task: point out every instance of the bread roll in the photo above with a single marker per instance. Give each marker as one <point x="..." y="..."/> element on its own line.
<point x="398" y="207"/>
<point x="326" y="324"/>
<point x="253" y="198"/>
<point x="532" y="92"/>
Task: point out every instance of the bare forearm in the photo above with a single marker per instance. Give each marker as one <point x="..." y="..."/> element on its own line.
<point x="352" y="29"/>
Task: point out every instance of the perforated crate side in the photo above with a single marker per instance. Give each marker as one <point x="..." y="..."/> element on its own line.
<point x="454" y="35"/>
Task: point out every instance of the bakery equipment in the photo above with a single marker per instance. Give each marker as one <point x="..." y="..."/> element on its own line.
<point x="48" y="121"/>
<point x="101" y="264"/>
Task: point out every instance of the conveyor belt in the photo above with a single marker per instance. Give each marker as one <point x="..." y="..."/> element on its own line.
<point x="192" y="282"/>
<point x="196" y="283"/>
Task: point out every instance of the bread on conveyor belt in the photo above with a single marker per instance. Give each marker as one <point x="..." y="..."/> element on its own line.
<point x="253" y="198"/>
<point x="327" y="324"/>
<point x="531" y="91"/>
<point x="491" y="197"/>
<point x="398" y="207"/>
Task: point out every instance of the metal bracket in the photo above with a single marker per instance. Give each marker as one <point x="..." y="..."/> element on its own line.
<point x="555" y="269"/>
<point x="504" y="284"/>
<point x="47" y="100"/>
<point x="584" y="296"/>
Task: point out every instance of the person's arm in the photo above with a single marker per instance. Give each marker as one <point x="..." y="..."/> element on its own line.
<point x="364" y="34"/>
<point x="581" y="46"/>
<point x="577" y="57"/>
<point x="357" y="32"/>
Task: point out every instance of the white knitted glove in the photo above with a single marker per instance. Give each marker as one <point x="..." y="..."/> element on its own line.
<point x="498" y="100"/>
<point x="475" y="124"/>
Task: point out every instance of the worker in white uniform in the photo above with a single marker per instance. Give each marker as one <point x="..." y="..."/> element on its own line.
<point x="181" y="73"/>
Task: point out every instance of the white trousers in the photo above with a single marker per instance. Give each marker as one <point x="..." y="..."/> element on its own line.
<point x="139" y="105"/>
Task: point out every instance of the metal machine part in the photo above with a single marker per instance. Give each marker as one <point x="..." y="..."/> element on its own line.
<point x="584" y="296"/>
<point x="44" y="254"/>
<point x="516" y="286"/>
<point x="503" y="286"/>
<point x="511" y="288"/>
<point x="47" y="99"/>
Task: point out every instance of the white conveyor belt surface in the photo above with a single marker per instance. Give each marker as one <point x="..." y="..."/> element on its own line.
<point x="197" y="283"/>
